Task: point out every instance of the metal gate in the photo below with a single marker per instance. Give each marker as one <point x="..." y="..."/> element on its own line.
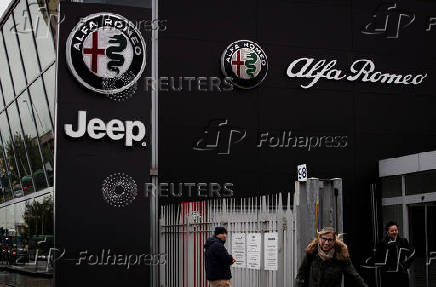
<point x="185" y="227"/>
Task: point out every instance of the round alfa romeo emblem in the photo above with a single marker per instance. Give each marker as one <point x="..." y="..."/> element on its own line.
<point x="246" y="63"/>
<point x="106" y="53"/>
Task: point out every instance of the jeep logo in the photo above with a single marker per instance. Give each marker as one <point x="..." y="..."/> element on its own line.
<point x="131" y="131"/>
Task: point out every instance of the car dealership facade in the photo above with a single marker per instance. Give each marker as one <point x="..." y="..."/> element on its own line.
<point x="337" y="85"/>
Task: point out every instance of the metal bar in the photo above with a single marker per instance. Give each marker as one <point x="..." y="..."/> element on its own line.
<point x="427" y="266"/>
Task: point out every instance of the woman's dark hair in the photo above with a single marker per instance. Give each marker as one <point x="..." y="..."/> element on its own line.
<point x="389" y="224"/>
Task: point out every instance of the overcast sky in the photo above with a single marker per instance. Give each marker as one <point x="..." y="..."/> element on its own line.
<point x="3" y="5"/>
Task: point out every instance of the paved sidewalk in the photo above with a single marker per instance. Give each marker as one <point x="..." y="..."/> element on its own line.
<point x="31" y="269"/>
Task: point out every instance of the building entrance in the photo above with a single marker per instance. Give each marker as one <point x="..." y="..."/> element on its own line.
<point x="422" y="232"/>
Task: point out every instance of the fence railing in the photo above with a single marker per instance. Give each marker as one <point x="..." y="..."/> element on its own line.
<point x="185" y="227"/>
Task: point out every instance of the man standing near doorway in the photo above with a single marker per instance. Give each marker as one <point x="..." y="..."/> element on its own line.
<point x="218" y="260"/>
<point x="395" y="255"/>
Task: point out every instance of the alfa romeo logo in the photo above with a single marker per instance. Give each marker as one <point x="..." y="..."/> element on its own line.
<point x="106" y="53"/>
<point x="245" y="62"/>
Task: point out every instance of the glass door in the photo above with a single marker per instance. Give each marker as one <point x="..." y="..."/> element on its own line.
<point x="422" y="231"/>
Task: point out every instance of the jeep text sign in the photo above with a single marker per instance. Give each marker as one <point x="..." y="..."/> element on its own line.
<point x="103" y="150"/>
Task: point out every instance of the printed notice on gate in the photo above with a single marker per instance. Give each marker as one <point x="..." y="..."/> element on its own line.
<point x="271" y="251"/>
<point x="254" y="243"/>
<point x="239" y="244"/>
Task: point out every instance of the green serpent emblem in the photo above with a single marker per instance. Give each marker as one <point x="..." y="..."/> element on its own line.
<point x="249" y="63"/>
<point x="113" y="52"/>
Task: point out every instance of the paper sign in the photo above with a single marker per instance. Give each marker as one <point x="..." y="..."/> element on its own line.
<point x="239" y="244"/>
<point x="254" y="243"/>
<point x="271" y="251"/>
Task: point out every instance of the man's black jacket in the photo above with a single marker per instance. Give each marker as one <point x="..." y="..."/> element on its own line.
<point x="218" y="260"/>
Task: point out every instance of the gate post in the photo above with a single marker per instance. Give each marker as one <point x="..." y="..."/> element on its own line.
<point x="317" y="204"/>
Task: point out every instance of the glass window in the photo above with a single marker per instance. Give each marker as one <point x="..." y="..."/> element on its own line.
<point x="24" y="30"/>
<point x="44" y="40"/>
<point x="8" y="92"/>
<point x="24" y="146"/>
<point x="49" y="78"/>
<point x="423" y="182"/>
<point x="45" y="142"/>
<point x="40" y="107"/>
<point x="13" y="51"/>
<point x="5" y="183"/>
<point x="135" y="3"/>
<point x="391" y="186"/>
<point x="14" y="175"/>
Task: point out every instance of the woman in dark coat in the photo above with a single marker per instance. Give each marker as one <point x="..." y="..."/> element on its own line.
<point x="394" y="256"/>
<point x="326" y="260"/>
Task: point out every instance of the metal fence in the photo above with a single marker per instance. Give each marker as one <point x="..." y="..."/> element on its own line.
<point x="185" y="227"/>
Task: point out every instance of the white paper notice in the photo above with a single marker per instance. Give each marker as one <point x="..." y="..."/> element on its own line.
<point x="271" y="251"/>
<point x="239" y="243"/>
<point x="253" y="250"/>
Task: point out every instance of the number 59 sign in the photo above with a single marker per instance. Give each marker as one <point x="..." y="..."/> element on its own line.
<point x="302" y="172"/>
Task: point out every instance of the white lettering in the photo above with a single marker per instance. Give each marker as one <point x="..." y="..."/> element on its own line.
<point x="130" y="136"/>
<point x="132" y="131"/>
<point x="368" y="67"/>
<point x="362" y="70"/>
<point x="115" y="126"/>
<point x="81" y="126"/>
<point x="431" y="23"/>
<point x="95" y="125"/>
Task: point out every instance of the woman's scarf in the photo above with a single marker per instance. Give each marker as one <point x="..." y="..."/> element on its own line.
<point x="325" y="255"/>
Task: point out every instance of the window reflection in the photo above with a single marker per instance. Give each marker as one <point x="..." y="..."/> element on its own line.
<point x="26" y="125"/>
<point x="49" y="78"/>
<point x="39" y="106"/>
<point x="14" y="172"/>
<point x="24" y="30"/>
<point x="13" y="53"/>
<point x="40" y="144"/>
<point x="5" y="183"/>
<point x="41" y="20"/>
<point x="8" y="92"/>
<point x="22" y="144"/>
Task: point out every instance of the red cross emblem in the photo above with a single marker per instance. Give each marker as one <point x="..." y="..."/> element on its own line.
<point x="94" y="51"/>
<point x="238" y="63"/>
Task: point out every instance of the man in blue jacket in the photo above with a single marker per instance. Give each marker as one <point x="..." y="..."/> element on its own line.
<point x="218" y="260"/>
